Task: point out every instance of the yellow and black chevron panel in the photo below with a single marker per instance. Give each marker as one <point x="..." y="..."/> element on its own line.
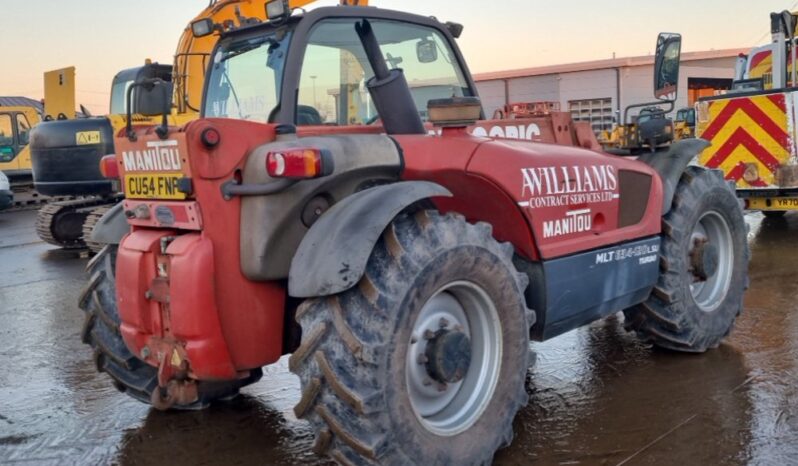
<point x="751" y="137"/>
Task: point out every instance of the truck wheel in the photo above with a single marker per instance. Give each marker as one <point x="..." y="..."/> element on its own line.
<point x="704" y="268"/>
<point x="101" y="331"/>
<point x="424" y="361"/>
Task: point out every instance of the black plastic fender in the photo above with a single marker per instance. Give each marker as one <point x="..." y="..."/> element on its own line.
<point x="333" y="255"/>
<point x="671" y="164"/>
<point x="112" y="227"/>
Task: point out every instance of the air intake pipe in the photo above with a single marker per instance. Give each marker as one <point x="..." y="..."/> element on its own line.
<point x="388" y="88"/>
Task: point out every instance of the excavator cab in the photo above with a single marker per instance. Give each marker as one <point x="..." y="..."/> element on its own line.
<point x="144" y="101"/>
<point x="15" y="127"/>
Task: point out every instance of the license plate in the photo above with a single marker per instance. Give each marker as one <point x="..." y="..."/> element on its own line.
<point x="774" y="203"/>
<point x="154" y="186"/>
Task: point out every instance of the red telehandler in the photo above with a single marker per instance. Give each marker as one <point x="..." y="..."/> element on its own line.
<point x="405" y="270"/>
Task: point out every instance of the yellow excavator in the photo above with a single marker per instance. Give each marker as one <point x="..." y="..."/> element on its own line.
<point x="18" y="116"/>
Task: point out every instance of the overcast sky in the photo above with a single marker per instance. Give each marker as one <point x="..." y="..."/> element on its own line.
<point x="103" y="37"/>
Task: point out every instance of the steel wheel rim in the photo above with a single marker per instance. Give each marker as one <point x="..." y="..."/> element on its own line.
<point x="456" y="408"/>
<point x="709" y="294"/>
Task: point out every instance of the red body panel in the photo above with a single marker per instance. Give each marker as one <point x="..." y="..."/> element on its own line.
<point x="444" y="160"/>
<point x="552" y="199"/>
<point x="206" y="286"/>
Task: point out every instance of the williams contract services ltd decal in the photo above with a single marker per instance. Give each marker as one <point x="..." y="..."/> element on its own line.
<point x="568" y="185"/>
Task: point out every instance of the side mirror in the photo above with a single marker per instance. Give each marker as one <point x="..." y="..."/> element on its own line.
<point x="427" y="51"/>
<point x="202" y="28"/>
<point x="455" y="29"/>
<point x="666" y="66"/>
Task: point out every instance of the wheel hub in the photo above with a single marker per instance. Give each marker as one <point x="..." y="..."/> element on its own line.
<point x="705" y="259"/>
<point x="453" y="358"/>
<point x="710" y="261"/>
<point x="448" y="356"/>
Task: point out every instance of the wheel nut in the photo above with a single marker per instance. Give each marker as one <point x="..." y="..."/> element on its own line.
<point x="444" y="322"/>
<point x="422" y="359"/>
<point x="427" y="382"/>
<point x="442" y="387"/>
<point x="429" y="334"/>
<point x="413" y="340"/>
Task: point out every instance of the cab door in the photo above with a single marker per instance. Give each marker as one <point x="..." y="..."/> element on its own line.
<point x="23" y="123"/>
<point x="8" y="142"/>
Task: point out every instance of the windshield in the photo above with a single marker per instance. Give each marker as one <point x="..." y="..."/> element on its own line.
<point x="332" y="86"/>
<point x="246" y="77"/>
<point x="119" y="97"/>
<point x="687" y="116"/>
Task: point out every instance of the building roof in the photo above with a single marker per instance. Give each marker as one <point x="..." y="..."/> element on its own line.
<point x="21" y="102"/>
<point x="603" y="64"/>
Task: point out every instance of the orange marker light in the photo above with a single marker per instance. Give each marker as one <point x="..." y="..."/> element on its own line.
<point x="109" y="168"/>
<point x="299" y="163"/>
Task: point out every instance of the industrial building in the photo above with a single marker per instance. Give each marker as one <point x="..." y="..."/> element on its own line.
<point x="599" y="91"/>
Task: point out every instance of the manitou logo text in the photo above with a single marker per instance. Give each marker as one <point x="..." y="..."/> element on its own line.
<point x="576" y="221"/>
<point x="160" y="156"/>
<point x="564" y="186"/>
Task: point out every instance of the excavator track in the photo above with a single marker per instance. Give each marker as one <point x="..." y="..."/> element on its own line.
<point x="26" y="197"/>
<point x="88" y="226"/>
<point x="62" y="223"/>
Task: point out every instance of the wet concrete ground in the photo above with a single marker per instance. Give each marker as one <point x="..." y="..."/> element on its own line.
<point x="597" y="396"/>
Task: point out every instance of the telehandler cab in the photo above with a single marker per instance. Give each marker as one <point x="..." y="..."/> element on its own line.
<point x="405" y="270"/>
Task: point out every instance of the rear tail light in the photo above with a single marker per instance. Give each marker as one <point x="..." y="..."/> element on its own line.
<point x="109" y="168"/>
<point x="299" y="163"/>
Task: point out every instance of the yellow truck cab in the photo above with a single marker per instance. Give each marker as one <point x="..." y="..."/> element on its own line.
<point x="753" y="127"/>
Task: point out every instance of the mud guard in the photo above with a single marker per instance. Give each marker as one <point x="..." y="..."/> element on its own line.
<point x="333" y="255"/>
<point x="672" y="164"/>
<point x="112" y="227"/>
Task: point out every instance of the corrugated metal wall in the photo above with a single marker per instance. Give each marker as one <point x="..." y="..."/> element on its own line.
<point x="636" y="85"/>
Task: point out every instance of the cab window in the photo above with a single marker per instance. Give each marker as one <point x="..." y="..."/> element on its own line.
<point x="332" y="87"/>
<point x="119" y="97"/>
<point x="23" y="129"/>
<point x="6" y="130"/>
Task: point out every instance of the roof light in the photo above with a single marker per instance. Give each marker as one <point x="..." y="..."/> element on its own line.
<point x="109" y="168"/>
<point x="202" y="28"/>
<point x="277" y="9"/>
<point x="299" y="163"/>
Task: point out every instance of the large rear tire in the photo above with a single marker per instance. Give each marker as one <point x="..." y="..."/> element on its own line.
<point x="101" y="331"/>
<point x="704" y="268"/>
<point x="424" y="361"/>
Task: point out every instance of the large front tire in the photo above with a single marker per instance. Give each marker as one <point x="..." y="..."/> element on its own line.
<point x="101" y="331"/>
<point x="424" y="361"/>
<point x="704" y="268"/>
